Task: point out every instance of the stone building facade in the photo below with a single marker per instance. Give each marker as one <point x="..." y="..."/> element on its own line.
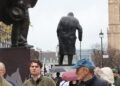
<point x="114" y="24"/>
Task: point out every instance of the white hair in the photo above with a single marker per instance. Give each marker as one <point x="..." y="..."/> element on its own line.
<point x="106" y="74"/>
<point x="2" y="66"/>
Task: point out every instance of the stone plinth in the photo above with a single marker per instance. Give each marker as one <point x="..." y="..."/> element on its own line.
<point x="17" y="61"/>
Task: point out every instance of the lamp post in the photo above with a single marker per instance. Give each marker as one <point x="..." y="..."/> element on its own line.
<point x="41" y="55"/>
<point x="101" y="35"/>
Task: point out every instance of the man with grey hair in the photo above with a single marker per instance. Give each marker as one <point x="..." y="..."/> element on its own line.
<point x="85" y="74"/>
<point x="3" y="82"/>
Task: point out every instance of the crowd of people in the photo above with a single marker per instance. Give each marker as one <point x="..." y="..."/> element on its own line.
<point x="89" y="75"/>
<point x="86" y="72"/>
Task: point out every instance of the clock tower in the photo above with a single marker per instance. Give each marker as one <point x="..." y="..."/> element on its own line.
<point x="114" y="24"/>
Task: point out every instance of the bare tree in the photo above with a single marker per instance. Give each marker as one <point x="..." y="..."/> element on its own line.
<point x="112" y="61"/>
<point x="97" y="57"/>
<point x="114" y="58"/>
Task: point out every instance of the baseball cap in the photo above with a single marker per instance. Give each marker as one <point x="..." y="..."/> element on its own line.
<point x="85" y="62"/>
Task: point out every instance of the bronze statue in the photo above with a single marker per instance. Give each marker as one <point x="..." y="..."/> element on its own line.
<point x="16" y="12"/>
<point x="66" y="33"/>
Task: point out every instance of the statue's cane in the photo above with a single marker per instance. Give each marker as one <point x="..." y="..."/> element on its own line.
<point x="80" y="50"/>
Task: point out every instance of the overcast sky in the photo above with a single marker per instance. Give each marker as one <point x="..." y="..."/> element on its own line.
<point x="92" y="15"/>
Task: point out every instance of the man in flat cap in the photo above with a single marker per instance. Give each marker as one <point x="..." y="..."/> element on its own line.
<point x="85" y="72"/>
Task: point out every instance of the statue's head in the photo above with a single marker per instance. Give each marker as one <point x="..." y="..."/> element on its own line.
<point x="70" y="14"/>
<point x="27" y="3"/>
<point x="30" y="3"/>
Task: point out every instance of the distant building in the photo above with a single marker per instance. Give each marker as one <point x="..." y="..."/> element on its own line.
<point x="85" y="53"/>
<point x="49" y="58"/>
<point x="114" y="24"/>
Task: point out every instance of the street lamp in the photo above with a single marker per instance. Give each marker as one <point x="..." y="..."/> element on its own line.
<point x="41" y="55"/>
<point x="101" y="35"/>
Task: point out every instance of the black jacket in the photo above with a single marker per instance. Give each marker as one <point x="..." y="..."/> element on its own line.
<point x="95" y="81"/>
